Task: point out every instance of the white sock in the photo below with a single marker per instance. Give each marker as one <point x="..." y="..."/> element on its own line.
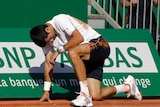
<point x="84" y="87"/>
<point x="122" y="88"/>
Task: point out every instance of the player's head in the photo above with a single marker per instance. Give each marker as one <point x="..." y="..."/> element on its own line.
<point x="38" y="35"/>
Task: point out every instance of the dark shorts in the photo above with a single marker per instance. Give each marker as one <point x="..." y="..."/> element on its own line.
<point x="94" y="66"/>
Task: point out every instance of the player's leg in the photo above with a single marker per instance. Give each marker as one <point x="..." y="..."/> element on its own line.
<point x="129" y="87"/>
<point x="97" y="92"/>
<point x="94" y="78"/>
<point x="77" y="55"/>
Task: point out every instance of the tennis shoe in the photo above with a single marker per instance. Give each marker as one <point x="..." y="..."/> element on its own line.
<point x="133" y="88"/>
<point x="82" y="101"/>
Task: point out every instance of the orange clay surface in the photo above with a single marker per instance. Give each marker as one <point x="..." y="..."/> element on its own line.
<point x="65" y="103"/>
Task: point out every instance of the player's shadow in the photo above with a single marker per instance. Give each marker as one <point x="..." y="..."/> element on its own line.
<point x="66" y="84"/>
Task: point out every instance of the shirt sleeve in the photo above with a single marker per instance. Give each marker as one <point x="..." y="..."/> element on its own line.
<point x="52" y="46"/>
<point x="65" y="24"/>
<point x="48" y="48"/>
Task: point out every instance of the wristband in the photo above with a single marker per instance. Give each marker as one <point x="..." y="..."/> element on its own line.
<point x="47" y="86"/>
<point x="61" y="49"/>
<point x="53" y="51"/>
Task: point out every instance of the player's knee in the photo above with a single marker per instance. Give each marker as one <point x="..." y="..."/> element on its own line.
<point x="96" y="97"/>
<point x="72" y="53"/>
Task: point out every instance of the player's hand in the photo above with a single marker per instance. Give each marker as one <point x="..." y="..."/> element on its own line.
<point x="53" y="57"/>
<point x="134" y="2"/>
<point x="45" y="96"/>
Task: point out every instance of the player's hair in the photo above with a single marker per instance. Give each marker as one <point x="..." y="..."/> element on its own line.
<point x="38" y="35"/>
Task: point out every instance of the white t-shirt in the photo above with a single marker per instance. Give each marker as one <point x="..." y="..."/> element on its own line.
<point x="64" y="25"/>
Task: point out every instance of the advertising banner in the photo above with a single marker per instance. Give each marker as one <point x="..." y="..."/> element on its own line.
<point x="21" y="64"/>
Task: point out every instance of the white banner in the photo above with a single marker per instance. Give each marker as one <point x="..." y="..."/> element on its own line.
<point x="125" y="57"/>
<point x="128" y="57"/>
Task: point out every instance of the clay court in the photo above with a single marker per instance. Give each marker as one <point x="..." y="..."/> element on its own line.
<point x="21" y="62"/>
<point x="148" y="102"/>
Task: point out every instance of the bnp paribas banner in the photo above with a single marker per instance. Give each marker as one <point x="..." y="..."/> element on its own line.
<point x="21" y="64"/>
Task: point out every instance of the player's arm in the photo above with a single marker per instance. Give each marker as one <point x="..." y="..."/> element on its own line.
<point x="155" y="2"/>
<point x="76" y="39"/>
<point x="127" y="2"/>
<point x="48" y="72"/>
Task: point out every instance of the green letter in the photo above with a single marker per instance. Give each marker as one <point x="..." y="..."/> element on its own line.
<point x="26" y="56"/>
<point x="120" y="58"/>
<point x="15" y="58"/>
<point x="63" y="60"/>
<point x="135" y="57"/>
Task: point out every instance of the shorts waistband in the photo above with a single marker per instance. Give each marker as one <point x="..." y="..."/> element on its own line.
<point x="97" y="39"/>
<point x="100" y="41"/>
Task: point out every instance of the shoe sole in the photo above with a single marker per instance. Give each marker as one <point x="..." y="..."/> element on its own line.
<point x="72" y="104"/>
